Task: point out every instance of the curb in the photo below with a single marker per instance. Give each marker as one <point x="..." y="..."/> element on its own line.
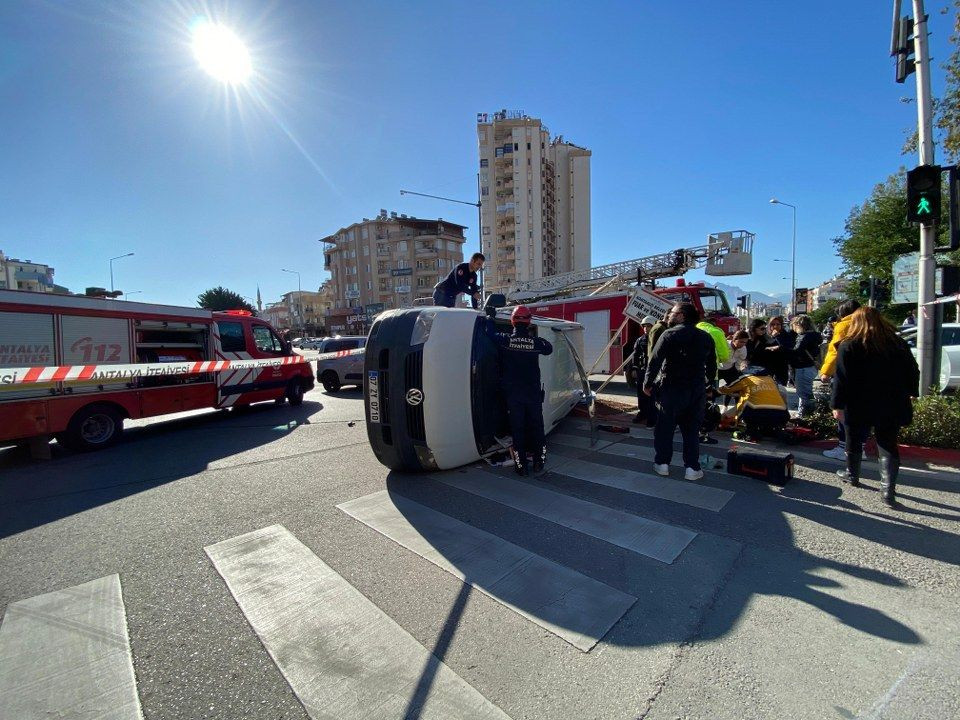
<point x="946" y="456"/>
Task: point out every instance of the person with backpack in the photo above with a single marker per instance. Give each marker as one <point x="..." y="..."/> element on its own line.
<point x="829" y="367"/>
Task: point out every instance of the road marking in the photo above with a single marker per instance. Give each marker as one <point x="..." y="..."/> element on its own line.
<point x="580" y="442"/>
<point x="648" y="537"/>
<point x="66" y="654"/>
<point x="343" y="657"/>
<point x="569" y="604"/>
<point x="679" y="491"/>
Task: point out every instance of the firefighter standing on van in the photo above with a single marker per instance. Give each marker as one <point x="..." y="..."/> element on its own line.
<point x="520" y="362"/>
<point x="462" y="279"/>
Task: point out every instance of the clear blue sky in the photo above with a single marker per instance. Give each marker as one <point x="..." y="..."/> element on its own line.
<point x="115" y="141"/>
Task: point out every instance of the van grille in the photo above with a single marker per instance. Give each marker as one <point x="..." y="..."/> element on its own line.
<point x="413" y="378"/>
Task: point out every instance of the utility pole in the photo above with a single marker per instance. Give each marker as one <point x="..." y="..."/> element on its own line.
<point x="926" y="322"/>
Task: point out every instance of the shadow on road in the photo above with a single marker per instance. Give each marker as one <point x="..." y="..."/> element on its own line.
<point x="34" y="493"/>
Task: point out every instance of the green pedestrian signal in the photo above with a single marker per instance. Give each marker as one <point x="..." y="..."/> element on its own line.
<point x="923" y="194"/>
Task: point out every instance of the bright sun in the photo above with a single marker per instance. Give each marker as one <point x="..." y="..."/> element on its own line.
<point x="221" y="53"/>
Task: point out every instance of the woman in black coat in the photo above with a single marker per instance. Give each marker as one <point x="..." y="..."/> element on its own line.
<point x="876" y="379"/>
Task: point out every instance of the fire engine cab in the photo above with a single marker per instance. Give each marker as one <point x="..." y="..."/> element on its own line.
<point x="39" y="330"/>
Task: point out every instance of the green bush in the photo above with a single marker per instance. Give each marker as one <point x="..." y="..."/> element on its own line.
<point x="936" y="422"/>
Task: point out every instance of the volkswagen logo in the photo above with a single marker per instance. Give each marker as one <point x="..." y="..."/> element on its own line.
<point x="414" y="396"/>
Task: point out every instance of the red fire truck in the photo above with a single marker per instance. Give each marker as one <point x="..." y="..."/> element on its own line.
<point x="39" y="330"/>
<point x="597" y="296"/>
<point x="602" y="316"/>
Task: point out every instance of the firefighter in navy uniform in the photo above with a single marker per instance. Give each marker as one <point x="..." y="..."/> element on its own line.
<point x="520" y="362"/>
<point x="462" y="279"/>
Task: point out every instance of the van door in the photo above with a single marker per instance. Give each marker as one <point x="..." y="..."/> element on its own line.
<point x="231" y="344"/>
<point x="267" y="383"/>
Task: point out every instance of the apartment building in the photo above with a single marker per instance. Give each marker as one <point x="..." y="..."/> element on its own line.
<point x="388" y="262"/>
<point x="836" y="288"/>
<point x="535" y="200"/>
<point x="25" y="275"/>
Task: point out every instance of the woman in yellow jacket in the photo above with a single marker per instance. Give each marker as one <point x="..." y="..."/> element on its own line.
<point x="829" y="368"/>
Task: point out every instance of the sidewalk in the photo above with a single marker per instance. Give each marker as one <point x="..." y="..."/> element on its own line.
<point x="617" y="405"/>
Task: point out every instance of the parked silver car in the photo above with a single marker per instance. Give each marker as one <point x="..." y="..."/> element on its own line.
<point x="341" y="362"/>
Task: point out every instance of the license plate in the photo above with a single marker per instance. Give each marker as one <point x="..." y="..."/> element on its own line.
<point x="373" y="395"/>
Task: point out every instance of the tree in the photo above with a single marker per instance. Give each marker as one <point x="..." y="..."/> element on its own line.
<point x="219" y="298"/>
<point x="823" y="313"/>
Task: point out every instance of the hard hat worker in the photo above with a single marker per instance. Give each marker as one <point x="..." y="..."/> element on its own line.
<point x="462" y="279"/>
<point x="520" y="355"/>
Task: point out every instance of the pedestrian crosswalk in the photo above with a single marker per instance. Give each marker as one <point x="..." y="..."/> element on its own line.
<point x="341" y="654"/>
<point x="66" y="654"/>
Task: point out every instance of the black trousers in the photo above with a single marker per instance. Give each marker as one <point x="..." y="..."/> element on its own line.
<point x="887" y="451"/>
<point x="683" y="406"/>
<point x="526" y="427"/>
<point x="645" y="405"/>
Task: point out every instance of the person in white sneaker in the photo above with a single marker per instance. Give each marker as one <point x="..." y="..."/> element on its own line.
<point x="683" y="362"/>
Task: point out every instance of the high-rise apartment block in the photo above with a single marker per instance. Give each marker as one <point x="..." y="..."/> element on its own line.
<point x="535" y="201"/>
<point x="388" y="262"/>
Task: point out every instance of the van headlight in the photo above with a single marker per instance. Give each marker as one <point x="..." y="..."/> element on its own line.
<point x="421" y="328"/>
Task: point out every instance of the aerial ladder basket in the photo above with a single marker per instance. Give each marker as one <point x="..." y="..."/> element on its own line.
<point x="731" y="253"/>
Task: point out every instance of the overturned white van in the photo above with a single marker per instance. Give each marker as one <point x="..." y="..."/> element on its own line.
<point x="432" y="385"/>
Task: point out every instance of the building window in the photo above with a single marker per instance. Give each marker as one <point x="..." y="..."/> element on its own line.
<point x="528" y="146"/>
<point x="402" y="246"/>
<point x="363" y="232"/>
<point x="486" y="229"/>
<point x="484" y="190"/>
<point x="368" y="267"/>
<point x="516" y="146"/>
<point x="369" y="285"/>
<point x="366" y="250"/>
<point x="484" y="162"/>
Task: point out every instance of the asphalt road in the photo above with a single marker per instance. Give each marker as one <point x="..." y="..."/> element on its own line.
<point x="806" y="601"/>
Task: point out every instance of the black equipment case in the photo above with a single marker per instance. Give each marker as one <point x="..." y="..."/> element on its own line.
<point x="771" y="467"/>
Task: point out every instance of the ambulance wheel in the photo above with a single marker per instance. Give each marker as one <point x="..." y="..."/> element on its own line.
<point x="331" y="383"/>
<point x="295" y="393"/>
<point x="93" y="428"/>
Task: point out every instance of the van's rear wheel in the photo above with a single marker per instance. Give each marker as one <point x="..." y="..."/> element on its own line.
<point x="295" y="393"/>
<point x="93" y="428"/>
<point x="331" y="383"/>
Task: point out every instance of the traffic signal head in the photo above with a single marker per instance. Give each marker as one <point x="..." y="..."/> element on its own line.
<point x="903" y="48"/>
<point x="742" y="301"/>
<point x="923" y="194"/>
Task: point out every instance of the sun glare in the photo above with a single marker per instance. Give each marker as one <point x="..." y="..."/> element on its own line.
<point x="221" y="53"/>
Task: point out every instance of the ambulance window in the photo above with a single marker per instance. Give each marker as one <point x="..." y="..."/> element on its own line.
<point x="265" y="340"/>
<point x="231" y="337"/>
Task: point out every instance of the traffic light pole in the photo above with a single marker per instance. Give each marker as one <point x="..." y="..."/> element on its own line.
<point x="926" y="319"/>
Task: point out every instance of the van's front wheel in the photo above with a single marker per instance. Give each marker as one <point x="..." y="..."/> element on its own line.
<point x="295" y="393"/>
<point x="331" y="383"/>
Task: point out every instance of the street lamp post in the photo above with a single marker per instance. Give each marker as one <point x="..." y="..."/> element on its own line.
<point x="793" y="256"/>
<point x="111" y="267"/>
<point x="478" y="205"/>
<point x="299" y="298"/>
<point x="132" y="292"/>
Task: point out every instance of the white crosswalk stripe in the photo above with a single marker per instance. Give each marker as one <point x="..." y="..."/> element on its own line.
<point x="66" y="654"/>
<point x="680" y="491"/>
<point x="647" y="537"/>
<point x="569" y="604"/>
<point x="343" y="657"/>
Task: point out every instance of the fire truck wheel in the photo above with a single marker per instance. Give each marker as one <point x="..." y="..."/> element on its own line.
<point x="94" y="427"/>
<point x="331" y="383"/>
<point x="295" y="393"/>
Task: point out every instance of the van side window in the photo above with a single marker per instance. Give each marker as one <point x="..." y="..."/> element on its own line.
<point x="231" y="337"/>
<point x="265" y="340"/>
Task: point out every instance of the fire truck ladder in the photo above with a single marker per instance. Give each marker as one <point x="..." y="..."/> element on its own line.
<point x="726" y="253"/>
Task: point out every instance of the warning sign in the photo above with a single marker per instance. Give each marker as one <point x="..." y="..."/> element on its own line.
<point x="643" y="303"/>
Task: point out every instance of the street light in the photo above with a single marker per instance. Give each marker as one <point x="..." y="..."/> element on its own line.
<point x="478" y="205"/>
<point x="111" y="267"/>
<point x="793" y="255"/>
<point x="132" y="292"/>
<point x="299" y="297"/>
